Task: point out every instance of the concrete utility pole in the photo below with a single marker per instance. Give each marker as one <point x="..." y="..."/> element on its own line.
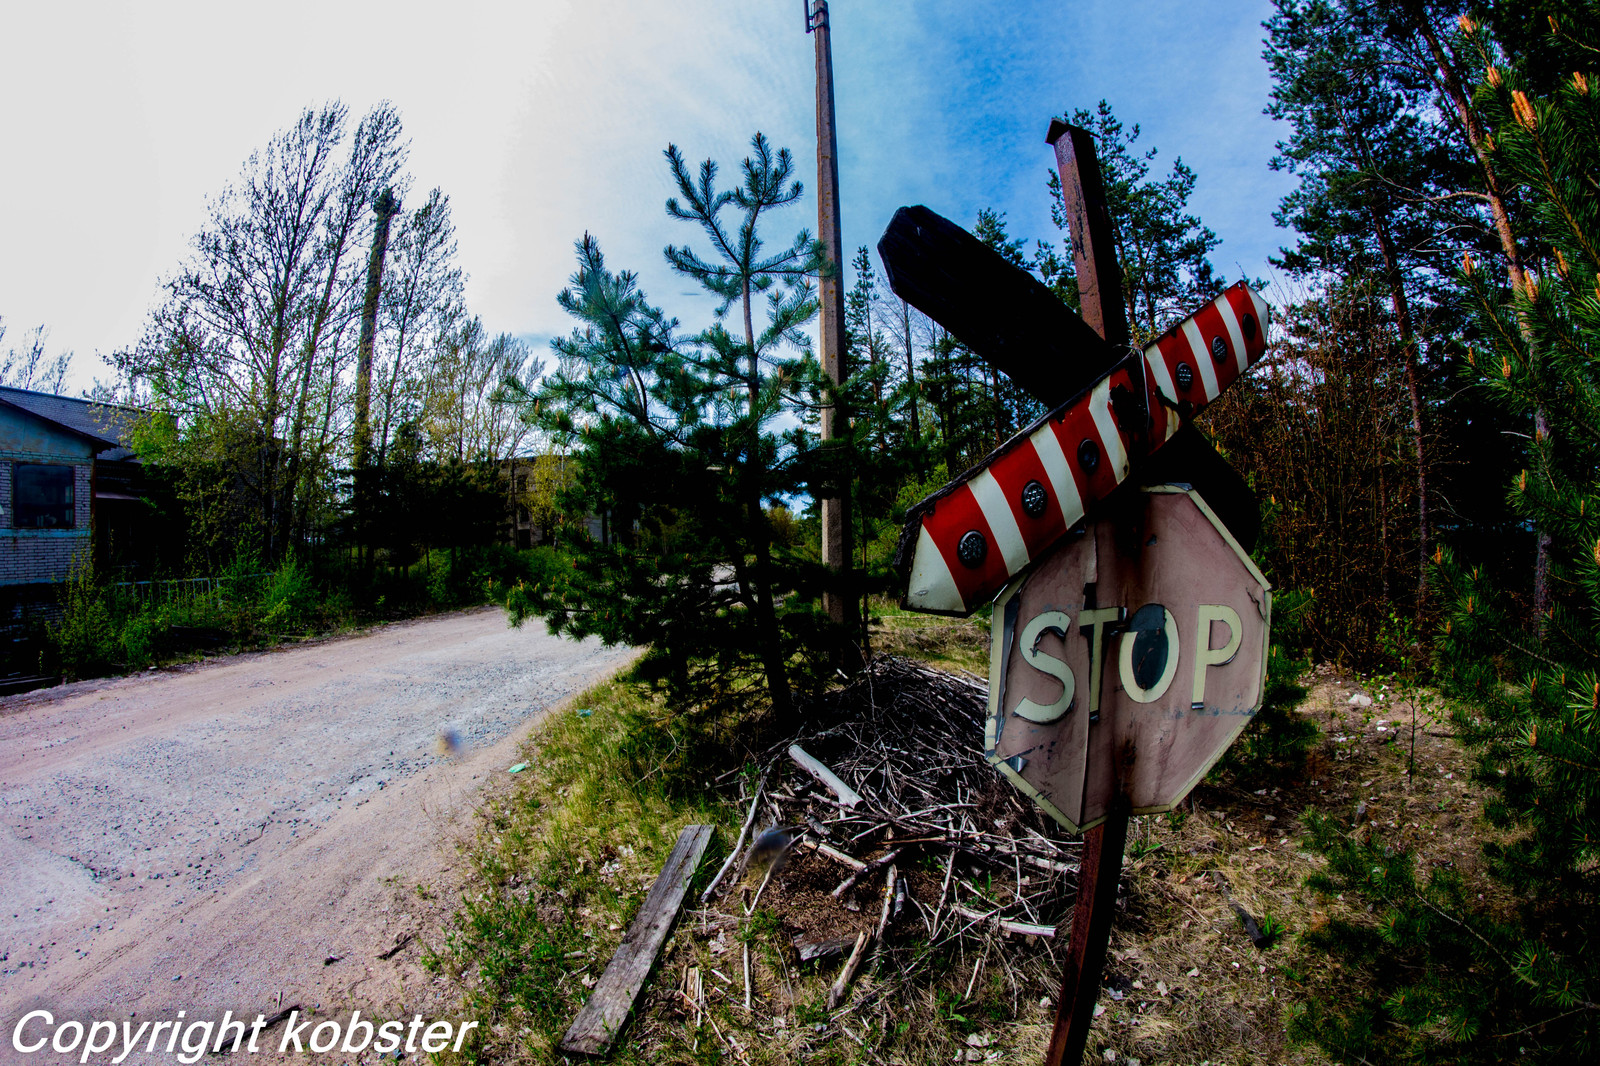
<point x="839" y="603"/>
<point x="384" y="208"/>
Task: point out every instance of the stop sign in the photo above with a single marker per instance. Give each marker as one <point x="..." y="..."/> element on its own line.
<point x="1127" y="660"/>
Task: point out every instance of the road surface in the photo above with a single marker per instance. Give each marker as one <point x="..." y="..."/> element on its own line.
<point x="206" y="838"/>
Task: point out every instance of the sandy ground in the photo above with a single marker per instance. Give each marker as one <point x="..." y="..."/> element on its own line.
<point x="258" y="830"/>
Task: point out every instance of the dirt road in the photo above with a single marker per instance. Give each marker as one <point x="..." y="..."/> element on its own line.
<point x="209" y="838"/>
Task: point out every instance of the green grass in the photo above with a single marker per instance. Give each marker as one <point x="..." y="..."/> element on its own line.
<point x="564" y="856"/>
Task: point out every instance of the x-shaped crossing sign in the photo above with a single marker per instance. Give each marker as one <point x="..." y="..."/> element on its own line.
<point x="1163" y="577"/>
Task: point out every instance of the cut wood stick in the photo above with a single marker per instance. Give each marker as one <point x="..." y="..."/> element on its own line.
<point x="746" y="975"/>
<point x="846" y="975"/>
<point x="844" y="886"/>
<point x="738" y="845"/>
<point x="848" y="797"/>
<point x="602" y="1016"/>
<point x="1023" y="928"/>
<point x="888" y="903"/>
<point x="833" y="853"/>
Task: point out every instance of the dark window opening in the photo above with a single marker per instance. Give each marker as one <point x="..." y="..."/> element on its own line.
<point x="44" y="496"/>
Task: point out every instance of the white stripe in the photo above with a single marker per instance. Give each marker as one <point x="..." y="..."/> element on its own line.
<point x="1202" y="358"/>
<point x="1157" y="366"/>
<point x="1002" y="523"/>
<point x="1263" y="314"/>
<point x="1106" y="426"/>
<point x="1241" y="358"/>
<point x="931" y="588"/>
<point x="1059" y="471"/>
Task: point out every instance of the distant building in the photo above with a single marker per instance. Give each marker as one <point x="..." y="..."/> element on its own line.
<point x="69" y="485"/>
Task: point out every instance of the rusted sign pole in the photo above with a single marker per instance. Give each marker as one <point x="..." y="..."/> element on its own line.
<point x="1094" y="257"/>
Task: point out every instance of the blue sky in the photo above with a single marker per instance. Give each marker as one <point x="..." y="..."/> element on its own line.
<point x="546" y="118"/>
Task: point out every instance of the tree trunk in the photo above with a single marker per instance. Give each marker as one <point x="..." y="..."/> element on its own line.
<point x="911" y="370"/>
<point x="384" y="209"/>
<point x="1408" y="344"/>
<point x="1450" y="84"/>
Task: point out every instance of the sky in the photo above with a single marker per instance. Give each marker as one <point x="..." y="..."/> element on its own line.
<point x="544" y="119"/>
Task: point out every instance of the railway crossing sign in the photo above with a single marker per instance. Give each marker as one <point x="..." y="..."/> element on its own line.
<point x="1129" y="639"/>
<point x="966" y="541"/>
<point x="1127" y="661"/>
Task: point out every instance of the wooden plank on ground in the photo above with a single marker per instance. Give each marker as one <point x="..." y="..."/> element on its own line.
<point x="602" y="1016"/>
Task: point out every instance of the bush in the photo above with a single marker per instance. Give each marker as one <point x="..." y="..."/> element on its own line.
<point x="289" y="600"/>
<point x="86" y="637"/>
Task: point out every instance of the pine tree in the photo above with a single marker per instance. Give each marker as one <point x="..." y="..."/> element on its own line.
<point x="1539" y="692"/>
<point x="1453" y="980"/>
<point x="676" y="448"/>
<point x="1161" y="249"/>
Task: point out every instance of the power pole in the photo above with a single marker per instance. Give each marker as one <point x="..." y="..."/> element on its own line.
<point x="384" y="208"/>
<point x="838" y="601"/>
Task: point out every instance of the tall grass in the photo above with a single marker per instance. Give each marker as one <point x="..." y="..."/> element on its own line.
<point x="107" y="627"/>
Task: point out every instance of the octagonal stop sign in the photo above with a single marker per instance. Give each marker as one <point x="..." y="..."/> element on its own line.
<point x="1128" y="660"/>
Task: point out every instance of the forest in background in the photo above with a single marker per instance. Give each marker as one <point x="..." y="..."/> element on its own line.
<point x="1423" y="436"/>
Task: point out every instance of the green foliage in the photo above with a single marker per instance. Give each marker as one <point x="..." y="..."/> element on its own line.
<point x="675" y="446"/>
<point x="1453" y="978"/>
<point x="1443" y="981"/>
<point x="289" y="599"/>
<point x="106" y="628"/>
<point x="86" y="637"/>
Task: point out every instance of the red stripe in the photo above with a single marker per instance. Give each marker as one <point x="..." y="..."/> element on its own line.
<point x="1239" y="299"/>
<point x="1072" y="428"/>
<point x="1174" y="349"/>
<point x="1012" y="472"/>
<point x="950" y="520"/>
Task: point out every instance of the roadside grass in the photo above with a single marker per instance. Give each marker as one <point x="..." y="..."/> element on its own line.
<point x="109" y="627"/>
<point x="565" y="853"/>
<point x="953" y="644"/>
<point x="567" y="849"/>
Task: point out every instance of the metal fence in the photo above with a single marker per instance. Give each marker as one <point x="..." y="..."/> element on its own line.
<point x="188" y="590"/>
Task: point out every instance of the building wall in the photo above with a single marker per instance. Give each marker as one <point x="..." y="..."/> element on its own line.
<point x="35" y="556"/>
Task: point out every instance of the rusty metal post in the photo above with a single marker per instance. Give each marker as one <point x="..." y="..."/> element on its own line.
<point x="1098" y="871"/>
<point x="1094" y="257"/>
<point x="838" y="601"/>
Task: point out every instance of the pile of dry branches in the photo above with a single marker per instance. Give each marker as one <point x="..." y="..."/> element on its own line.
<point x="886" y="797"/>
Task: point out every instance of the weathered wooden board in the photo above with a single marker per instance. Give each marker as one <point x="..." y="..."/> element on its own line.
<point x="602" y="1016"/>
<point x="996" y="308"/>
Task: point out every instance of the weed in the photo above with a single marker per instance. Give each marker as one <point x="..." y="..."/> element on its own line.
<point x="1271" y="931"/>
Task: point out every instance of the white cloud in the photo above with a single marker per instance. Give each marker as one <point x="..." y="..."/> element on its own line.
<point x="547" y="118"/>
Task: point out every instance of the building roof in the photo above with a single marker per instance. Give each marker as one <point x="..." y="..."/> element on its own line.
<point x="111" y="425"/>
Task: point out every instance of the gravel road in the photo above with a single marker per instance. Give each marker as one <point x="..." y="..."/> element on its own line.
<point x="206" y="838"/>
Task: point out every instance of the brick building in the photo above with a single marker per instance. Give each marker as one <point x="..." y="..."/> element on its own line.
<point x="68" y="483"/>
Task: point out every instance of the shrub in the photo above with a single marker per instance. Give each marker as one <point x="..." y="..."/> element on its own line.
<point x="290" y="599"/>
<point x="86" y="638"/>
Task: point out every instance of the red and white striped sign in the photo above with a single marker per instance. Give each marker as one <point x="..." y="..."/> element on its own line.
<point x="976" y="534"/>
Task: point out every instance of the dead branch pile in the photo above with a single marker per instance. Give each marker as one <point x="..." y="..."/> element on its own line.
<point x="887" y="787"/>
